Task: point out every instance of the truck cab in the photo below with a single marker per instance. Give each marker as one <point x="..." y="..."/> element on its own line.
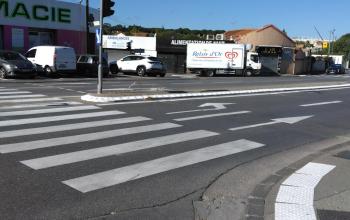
<point x="253" y="64"/>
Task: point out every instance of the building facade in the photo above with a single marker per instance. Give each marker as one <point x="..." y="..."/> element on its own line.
<point x="25" y="24"/>
<point x="275" y="48"/>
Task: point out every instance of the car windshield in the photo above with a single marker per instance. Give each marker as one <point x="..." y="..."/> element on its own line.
<point x="11" y="56"/>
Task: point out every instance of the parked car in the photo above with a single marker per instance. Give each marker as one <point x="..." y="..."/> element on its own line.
<point x="13" y="64"/>
<point x="53" y="59"/>
<point x="335" y="69"/>
<point x="88" y="64"/>
<point x="141" y="65"/>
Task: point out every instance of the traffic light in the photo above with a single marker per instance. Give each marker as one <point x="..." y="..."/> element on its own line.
<point x="107" y="8"/>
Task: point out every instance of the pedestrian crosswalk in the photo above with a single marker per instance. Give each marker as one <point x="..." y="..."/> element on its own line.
<point x="79" y="133"/>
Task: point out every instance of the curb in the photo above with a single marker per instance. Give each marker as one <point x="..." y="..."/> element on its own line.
<point x="257" y="199"/>
<point x="93" y="98"/>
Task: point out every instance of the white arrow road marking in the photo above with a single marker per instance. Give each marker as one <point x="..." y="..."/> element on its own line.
<point x="50" y="110"/>
<point x="217" y="106"/>
<point x="291" y="120"/>
<point x="212" y="116"/>
<point x="70" y="127"/>
<point x="58" y="118"/>
<point x="45" y="143"/>
<point x="113" y="177"/>
<point x="321" y="103"/>
<point x="79" y="156"/>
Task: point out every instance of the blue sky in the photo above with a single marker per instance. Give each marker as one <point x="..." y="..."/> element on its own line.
<point x="297" y="17"/>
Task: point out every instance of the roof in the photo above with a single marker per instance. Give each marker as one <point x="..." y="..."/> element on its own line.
<point x="241" y="32"/>
<point x="274" y="27"/>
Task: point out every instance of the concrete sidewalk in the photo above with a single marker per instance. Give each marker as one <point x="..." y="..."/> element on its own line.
<point x="301" y="196"/>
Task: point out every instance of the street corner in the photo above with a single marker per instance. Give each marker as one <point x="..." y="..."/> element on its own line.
<point x="315" y="187"/>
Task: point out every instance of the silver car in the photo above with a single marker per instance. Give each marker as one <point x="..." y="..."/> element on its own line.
<point x="14" y="64"/>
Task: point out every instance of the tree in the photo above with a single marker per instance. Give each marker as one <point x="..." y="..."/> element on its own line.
<point x="342" y="45"/>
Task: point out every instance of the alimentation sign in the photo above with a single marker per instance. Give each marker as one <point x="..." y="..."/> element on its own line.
<point x="48" y="14"/>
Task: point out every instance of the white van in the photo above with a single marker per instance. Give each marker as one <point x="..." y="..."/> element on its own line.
<point x="53" y="59"/>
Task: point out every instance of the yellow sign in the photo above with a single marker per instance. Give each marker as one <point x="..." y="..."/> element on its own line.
<point x="325" y="45"/>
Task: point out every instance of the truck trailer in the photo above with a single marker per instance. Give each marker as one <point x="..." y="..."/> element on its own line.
<point x="212" y="59"/>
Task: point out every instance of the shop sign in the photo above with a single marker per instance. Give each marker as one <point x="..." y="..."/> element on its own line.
<point x="42" y="14"/>
<point x="185" y="42"/>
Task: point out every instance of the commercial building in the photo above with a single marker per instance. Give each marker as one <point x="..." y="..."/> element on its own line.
<point x="24" y="24"/>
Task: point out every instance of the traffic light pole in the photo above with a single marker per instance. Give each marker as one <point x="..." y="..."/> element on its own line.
<point x="100" y="71"/>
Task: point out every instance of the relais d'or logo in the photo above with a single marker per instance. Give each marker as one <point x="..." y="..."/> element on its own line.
<point x="35" y="12"/>
<point x="206" y="54"/>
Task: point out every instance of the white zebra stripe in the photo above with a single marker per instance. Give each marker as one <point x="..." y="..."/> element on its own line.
<point x="45" y="143"/>
<point x="52" y="104"/>
<point x="70" y="127"/>
<point x="78" y="156"/>
<point x="50" y="110"/>
<point x="14" y="93"/>
<point x="30" y="100"/>
<point x="21" y="96"/>
<point x="113" y="177"/>
<point x="57" y="118"/>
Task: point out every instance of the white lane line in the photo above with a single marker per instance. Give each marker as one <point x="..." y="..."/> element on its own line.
<point x="321" y="103"/>
<point x="70" y="127"/>
<point x="46" y="143"/>
<point x="30" y="100"/>
<point x="21" y="96"/>
<point x="79" y="156"/>
<point x="14" y="93"/>
<point x="50" y="110"/>
<point x="113" y="177"/>
<point x="52" y="104"/>
<point x="296" y="194"/>
<point x="212" y="116"/>
<point x="57" y="118"/>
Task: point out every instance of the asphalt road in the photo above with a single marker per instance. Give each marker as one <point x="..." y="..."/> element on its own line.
<point x="61" y="159"/>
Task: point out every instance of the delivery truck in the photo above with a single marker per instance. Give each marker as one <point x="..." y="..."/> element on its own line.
<point x="212" y="59"/>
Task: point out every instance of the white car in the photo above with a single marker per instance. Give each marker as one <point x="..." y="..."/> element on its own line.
<point x="53" y="59"/>
<point x="141" y="65"/>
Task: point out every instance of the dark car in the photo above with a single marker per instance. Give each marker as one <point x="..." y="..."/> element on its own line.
<point x="13" y="64"/>
<point x="336" y="69"/>
<point x="88" y="64"/>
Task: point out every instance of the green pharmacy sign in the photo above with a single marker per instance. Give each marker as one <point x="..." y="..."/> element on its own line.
<point x="35" y="12"/>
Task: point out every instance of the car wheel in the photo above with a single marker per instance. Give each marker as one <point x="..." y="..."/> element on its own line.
<point x="248" y="73"/>
<point x="3" y="74"/>
<point x="141" y="71"/>
<point x="48" y="71"/>
<point x="162" y="74"/>
<point x="210" y="73"/>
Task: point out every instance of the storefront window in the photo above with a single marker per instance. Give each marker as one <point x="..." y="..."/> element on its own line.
<point x="39" y="38"/>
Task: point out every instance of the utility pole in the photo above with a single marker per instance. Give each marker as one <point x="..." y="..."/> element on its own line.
<point x="331" y="41"/>
<point x="105" y="11"/>
<point x="87" y="12"/>
<point x="100" y="71"/>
